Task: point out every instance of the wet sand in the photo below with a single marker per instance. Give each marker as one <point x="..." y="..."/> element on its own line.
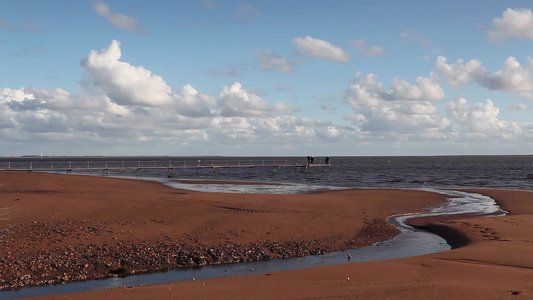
<point x="62" y="228"/>
<point x="494" y="262"/>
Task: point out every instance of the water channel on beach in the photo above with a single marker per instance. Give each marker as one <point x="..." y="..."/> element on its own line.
<point x="411" y="242"/>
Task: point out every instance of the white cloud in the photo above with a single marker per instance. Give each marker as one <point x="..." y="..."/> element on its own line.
<point x="312" y="47"/>
<point x="126" y="109"/>
<point x="123" y="83"/>
<point x="120" y="21"/>
<point x="512" y="78"/>
<point x="460" y="72"/>
<point x="234" y="101"/>
<point x="192" y="103"/>
<point x="481" y="119"/>
<point x="423" y="89"/>
<point x="515" y="23"/>
<point x="271" y="61"/>
<point x="367" y="91"/>
<point x="368" y="48"/>
<point x="405" y="107"/>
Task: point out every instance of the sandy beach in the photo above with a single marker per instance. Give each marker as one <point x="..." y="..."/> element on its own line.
<point x="61" y="228"/>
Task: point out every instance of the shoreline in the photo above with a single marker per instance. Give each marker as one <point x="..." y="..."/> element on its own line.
<point x="495" y="264"/>
<point x="112" y="239"/>
<point x="296" y="284"/>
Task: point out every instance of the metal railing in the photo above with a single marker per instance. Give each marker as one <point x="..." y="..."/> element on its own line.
<point x="163" y="164"/>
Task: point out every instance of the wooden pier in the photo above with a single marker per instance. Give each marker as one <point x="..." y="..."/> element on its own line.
<point x="105" y="166"/>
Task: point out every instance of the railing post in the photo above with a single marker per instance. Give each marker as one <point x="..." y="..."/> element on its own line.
<point x="9" y="165"/>
<point x="31" y="165"/>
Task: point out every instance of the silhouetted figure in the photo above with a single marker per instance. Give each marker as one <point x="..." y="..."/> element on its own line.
<point x="326" y="160"/>
<point x="312" y="159"/>
<point x="308" y="160"/>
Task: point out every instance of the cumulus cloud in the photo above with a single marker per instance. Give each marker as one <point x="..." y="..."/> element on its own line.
<point x="126" y="109"/>
<point x="120" y="21"/>
<point x="481" y="119"/>
<point x="234" y="101"/>
<point x="112" y="112"/>
<point x="368" y="91"/>
<point x="404" y="107"/>
<point x="368" y="48"/>
<point x="123" y="83"/>
<point x="515" y="23"/>
<point x="270" y="61"/>
<point x="512" y="78"/>
<point x="316" y="48"/>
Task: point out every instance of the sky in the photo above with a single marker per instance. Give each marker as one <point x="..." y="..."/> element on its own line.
<point x="266" y="78"/>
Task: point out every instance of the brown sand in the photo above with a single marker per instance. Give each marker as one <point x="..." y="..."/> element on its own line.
<point x="495" y="264"/>
<point x="61" y="228"/>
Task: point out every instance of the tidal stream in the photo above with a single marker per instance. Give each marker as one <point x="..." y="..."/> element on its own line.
<point x="411" y="242"/>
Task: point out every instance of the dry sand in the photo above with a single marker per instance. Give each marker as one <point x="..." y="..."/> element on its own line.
<point x="496" y="263"/>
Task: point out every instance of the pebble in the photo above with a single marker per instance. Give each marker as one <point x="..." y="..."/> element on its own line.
<point x="24" y="262"/>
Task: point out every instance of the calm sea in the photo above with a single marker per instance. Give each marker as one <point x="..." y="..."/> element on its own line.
<point x="507" y="172"/>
